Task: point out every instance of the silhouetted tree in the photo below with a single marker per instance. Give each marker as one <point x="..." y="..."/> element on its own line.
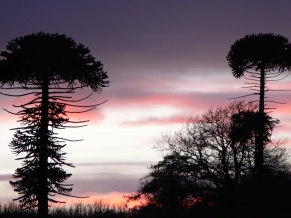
<point x="163" y="187"/>
<point x="262" y="57"/>
<point x="210" y="160"/>
<point x="51" y="67"/>
<point x="245" y="126"/>
<point x="166" y="191"/>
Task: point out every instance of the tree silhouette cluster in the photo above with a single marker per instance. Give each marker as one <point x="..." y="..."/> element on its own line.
<point x="50" y="67"/>
<point x="209" y="164"/>
<point x="225" y="159"/>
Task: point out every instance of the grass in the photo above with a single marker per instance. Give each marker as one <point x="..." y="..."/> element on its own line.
<point x="99" y="208"/>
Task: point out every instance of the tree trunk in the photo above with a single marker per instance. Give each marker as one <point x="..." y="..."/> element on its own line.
<point x="260" y="158"/>
<point x="43" y="156"/>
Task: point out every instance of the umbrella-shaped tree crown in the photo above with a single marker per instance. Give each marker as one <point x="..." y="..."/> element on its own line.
<point x="256" y="51"/>
<point x="58" y="58"/>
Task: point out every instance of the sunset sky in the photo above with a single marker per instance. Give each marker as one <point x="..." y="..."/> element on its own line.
<point x="166" y="62"/>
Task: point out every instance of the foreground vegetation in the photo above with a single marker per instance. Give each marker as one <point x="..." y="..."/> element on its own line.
<point x="99" y="208"/>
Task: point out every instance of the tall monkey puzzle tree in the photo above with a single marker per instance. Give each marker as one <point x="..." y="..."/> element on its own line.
<point x="263" y="57"/>
<point x="50" y="67"/>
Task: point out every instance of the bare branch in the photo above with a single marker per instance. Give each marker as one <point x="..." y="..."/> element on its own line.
<point x="275" y="102"/>
<point x="77" y="112"/>
<point x="19" y="95"/>
<point x="242" y="96"/>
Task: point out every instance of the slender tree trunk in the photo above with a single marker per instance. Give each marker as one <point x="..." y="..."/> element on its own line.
<point x="43" y="157"/>
<point x="260" y="158"/>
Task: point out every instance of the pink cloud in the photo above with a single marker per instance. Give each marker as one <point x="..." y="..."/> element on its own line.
<point x="283" y="128"/>
<point x="95" y="116"/>
<point x="189" y="100"/>
<point x="142" y="91"/>
<point x="183" y="94"/>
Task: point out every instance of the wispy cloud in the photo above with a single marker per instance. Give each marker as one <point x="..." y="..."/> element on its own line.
<point x="174" y="119"/>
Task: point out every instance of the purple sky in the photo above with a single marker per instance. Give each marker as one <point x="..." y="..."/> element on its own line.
<point x="166" y="61"/>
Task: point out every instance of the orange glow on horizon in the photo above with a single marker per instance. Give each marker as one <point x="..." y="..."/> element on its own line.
<point x="112" y="198"/>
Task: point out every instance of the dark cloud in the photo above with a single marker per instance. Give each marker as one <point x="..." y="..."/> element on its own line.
<point x="106" y="177"/>
<point x="104" y="183"/>
<point x="139" y="163"/>
<point x="153" y="36"/>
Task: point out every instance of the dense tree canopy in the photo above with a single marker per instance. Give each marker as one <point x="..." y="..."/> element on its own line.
<point x="31" y="59"/>
<point x="256" y="51"/>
